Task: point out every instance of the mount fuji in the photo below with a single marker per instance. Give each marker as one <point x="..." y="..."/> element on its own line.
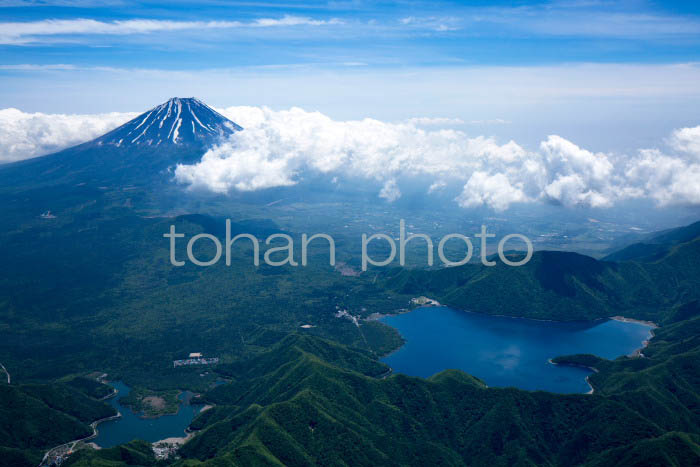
<point x="140" y="152"/>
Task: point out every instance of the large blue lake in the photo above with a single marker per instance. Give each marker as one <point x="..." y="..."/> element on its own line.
<point x="505" y="351"/>
<point x="131" y="426"/>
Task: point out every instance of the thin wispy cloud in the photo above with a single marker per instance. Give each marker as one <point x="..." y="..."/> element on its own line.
<point x="435" y="121"/>
<point x="39" y="67"/>
<point x="557" y="22"/>
<point x="33" y="31"/>
<point x="433" y="23"/>
<point x="568" y="23"/>
<point x="58" y="3"/>
<point x="585" y="19"/>
<point x="379" y="35"/>
<point x="559" y="19"/>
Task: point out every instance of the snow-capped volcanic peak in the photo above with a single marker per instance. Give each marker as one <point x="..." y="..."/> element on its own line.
<point x="177" y="121"/>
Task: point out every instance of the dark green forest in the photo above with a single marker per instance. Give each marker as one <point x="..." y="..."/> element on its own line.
<point x="92" y="292"/>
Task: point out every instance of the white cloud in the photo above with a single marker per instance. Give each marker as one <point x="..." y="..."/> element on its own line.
<point x="288" y="20"/>
<point x="577" y="176"/>
<point x="494" y="190"/>
<point x="559" y="22"/>
<point x="687" y="140"/>
<point x="434" y="23"/>
<point x="279" y="148"/>
<point x="29" y="31"/>
<point x="284" y="144"/>
<point x="390" y="191"/>
<point x="569" y="19"/>
<point x="437" y="186"/>
<point x="24" y="135"/>
<point x="667" y="179"/>
<point x="251" y="168"/>
<point x="37" y="67"/>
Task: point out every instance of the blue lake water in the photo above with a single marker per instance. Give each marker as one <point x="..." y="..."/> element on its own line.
<point x="505" y="351"/>
<point x="131" y="426"/>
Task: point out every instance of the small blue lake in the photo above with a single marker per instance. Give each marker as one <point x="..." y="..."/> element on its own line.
<point x="131" y="426"/>
<point x="505" y="351"/>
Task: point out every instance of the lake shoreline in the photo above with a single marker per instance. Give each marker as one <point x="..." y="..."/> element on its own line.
<point x="401" y="311"/>
<point x="143" y="415"/>
<point x="177" y="440"/>
<point x="95" y="433"/>
<point x="633" y="350"/>
<point x="636" y="354"/>
<point x="645" y="343"/>
<point x="133" y="416"/>
<point x="578" y="365"/>
<point x="435" y="304"/>
<point x="624" y="319"/>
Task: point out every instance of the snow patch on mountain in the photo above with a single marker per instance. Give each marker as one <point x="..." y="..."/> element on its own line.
<point x="177" y="121"/>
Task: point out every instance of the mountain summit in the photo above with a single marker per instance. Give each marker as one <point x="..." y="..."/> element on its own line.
<point x="183" y="121"/>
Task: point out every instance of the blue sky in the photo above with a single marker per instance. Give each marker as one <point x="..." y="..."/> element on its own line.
<point x="346" y="33"/>
<point x="608" y="74"/>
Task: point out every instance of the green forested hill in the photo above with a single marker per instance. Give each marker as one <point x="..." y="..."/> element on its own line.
<point x="303" y="400"/>
<point x="35" y="417"/>
<point x="120" y="308"/>
<point x="136" y="453"/>
<point x="655" y="246"/>
<point x="564" y="286"/>
<point x="308" y="411"/>
<point x="672" y="450"/>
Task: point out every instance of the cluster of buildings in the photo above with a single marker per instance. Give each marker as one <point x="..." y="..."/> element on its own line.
<point x="164" y="450"/>
<point x="196" y="358"/>
<point x="424" y="301"/>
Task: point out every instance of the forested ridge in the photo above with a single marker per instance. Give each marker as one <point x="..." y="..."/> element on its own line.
<point x="321" y="397"/>
<point x="309" y="401"/>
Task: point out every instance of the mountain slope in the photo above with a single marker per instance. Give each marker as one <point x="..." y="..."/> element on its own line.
<point x="564" y="286"/>
<point x="308" y="411"/>
<point x="307" y="401"/>
<point x="35" y="417"/>
<point x="656" y="245"/>
<point x="140" y="152"/>
<point x="178" y="121"/>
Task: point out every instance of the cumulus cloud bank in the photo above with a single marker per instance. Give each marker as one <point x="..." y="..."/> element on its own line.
<point x="24" y="135"/>
<point x="279" y="148"/>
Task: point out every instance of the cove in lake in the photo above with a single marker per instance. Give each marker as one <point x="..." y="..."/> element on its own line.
<point x="504" y="351"/>
<point x="131" y="426"/>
